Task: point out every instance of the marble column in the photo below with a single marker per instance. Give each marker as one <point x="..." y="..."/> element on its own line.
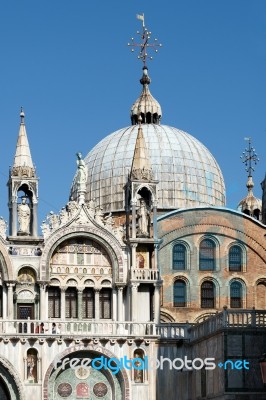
<point x="114" y="304"/>
<point x="134" y="301"/>
<point x="34" y="220"/>
<point x="43" y="306"/>
<point x="63" y="303"/>
<point x="97" y="304"/>
<point x="13" y="218"/>
<point x="157" y="287"/>
<point x="4" y="303"/>
<point x="134" y="232"/>
<point x="39" y="375"/>
<point x="133" y="255"/>
<point x="155" y="233"/>
<point x="156" y="246"/>
<point x="10" y="303"/>
<point x="80" y="298"/>
<point x="120" y="303"/>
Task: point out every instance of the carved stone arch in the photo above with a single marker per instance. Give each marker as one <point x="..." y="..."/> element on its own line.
<point x="202" y="317"/>
<point x="98" y="351"/>
<point x="101" y="236"/>
<point x="9" y="374"/>
<point x="18" y="186"/>
<point x="31" y="267"/>
<point x="105" y="282"/>
<point x="148" y="187"/>
<point x="56" y="281"/>
<point x="166" y="316"/>
<point x="217" y="286"/>
<point x="260" y="280"/>
<point x="71" y="282"/>
<point x="6" y="264"/>
<point x="88" y="282"/>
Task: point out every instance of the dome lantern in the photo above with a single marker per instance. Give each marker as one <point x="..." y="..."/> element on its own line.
<point x="146" y="105"/>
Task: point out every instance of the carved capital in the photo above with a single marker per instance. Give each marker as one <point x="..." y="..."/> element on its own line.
<point x="134" y="286"/>
<point x="42" y="284"/>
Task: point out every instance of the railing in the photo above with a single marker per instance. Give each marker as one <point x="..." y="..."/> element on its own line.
<point x="229" y="319"/>
<point x="82" y="328"/>
<point x="172" y="330"/>
<point x="144" y="274"/>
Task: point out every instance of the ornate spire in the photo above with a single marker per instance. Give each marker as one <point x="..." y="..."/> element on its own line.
<point x="141" y="167"/>
<point x="146" y="104"/>
<point x="23" y="165"/>
<point x="250" y="205"/>
<point x="249" y="157"/>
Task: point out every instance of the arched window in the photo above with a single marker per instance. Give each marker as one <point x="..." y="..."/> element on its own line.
<point x="139" y="360"/>
<point x="261" y="295"/>
<point x="207" y="295"/>
<point x="180" y="295"/>
<point x="207" y="255"/>
<point x="179" y="257"/>
<point x="32" y="373"/>
<point x="235" y="258"/>
<point x="105" y="304"/>
<point x="88" y="303"/>
<point x="71" y="303"/>
<point x="53" y="302"/>
<point x="236" y="295"/>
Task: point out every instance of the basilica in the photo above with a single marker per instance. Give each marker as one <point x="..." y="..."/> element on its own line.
<point x="144" y="285"/>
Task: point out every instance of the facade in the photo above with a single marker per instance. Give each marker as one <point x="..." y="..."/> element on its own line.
<point x="143" y="262"/>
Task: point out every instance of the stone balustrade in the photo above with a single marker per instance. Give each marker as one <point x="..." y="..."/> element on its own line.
<point x="144" y="274"/>
<point x="229" y="319"/>
<point x="172" y="331"/>
<point x="82" y="328"/>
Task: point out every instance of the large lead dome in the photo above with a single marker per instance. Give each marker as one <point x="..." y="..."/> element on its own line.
<point x="188" y="174"/>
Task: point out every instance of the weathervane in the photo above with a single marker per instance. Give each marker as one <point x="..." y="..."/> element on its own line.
<point x="249" y="156"/>
<point x="144" y="45"/>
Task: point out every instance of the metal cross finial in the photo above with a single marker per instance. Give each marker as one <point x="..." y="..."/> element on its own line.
<point x="249" y="156"/>
<point x="145" y="37"/>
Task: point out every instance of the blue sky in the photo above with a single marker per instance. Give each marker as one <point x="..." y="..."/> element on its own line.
<point x="67" y="63"/>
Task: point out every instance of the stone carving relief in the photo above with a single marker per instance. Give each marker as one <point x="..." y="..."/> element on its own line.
<point x="67" y="214"/>
<point x="23" y="251"/>
<point x="142" y="174"/>
<point x="3" y="227"/>
<point x="25" y="295"/>
<point x="64" y="389"/>
<point x="23" y="172"/>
